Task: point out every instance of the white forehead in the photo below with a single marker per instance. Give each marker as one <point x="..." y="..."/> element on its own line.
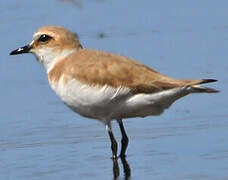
<point x="36" y="35"/>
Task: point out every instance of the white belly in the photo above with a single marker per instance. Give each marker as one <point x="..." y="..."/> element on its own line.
<point x="107" y="103"/>
<point x="91" y="101"/>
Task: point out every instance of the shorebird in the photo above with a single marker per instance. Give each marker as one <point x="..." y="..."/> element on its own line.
<point x="105" y="86"/>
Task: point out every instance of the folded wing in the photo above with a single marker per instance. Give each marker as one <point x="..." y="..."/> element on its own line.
<point x="118" y="71"/>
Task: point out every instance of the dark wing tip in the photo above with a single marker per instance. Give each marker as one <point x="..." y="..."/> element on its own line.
<point x="208" y="81"/>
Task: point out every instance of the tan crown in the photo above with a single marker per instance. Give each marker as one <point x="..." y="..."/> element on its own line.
<point x="62" y="39"/>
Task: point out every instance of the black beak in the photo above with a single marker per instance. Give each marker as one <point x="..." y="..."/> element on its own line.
<point x="21" y="50"/>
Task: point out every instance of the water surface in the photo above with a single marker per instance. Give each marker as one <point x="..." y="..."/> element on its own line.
<point x="40" y="138"/>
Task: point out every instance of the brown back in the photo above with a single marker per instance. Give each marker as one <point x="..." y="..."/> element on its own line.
<point x="101" y="68"/>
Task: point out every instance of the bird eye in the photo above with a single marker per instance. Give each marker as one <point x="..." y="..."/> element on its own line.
<point x="44" y="38"/>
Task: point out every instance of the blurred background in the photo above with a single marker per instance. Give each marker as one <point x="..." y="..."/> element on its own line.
<point x="40" y="138"/>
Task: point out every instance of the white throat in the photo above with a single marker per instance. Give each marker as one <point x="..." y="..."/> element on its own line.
<point x="48" y="57"/>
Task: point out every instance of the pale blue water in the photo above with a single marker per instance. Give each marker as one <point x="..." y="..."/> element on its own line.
<point x="40" y="138"/>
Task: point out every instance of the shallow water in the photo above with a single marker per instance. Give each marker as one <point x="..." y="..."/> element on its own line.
<point x="40" y="138"/>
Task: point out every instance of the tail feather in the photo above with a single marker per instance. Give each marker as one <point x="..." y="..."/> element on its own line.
<point x="201" y="89"/>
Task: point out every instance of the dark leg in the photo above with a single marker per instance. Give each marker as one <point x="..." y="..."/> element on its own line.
<point x="126" y="167"/>
<point x="124" y="141"/>
<point x="113" y="141"/>
<point x="116" y="170"/>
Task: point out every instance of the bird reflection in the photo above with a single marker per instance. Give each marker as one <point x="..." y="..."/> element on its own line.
<point x="116" y="169"/>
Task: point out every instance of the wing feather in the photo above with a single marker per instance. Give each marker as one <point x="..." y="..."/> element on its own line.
<point x="101" y="68"/>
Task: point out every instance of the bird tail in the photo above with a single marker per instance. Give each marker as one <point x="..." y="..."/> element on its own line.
<point x="197" y="88"/>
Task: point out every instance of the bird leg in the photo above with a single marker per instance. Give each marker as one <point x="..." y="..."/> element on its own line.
<point x="124" y="140"/>
<point x="113" y="141"/>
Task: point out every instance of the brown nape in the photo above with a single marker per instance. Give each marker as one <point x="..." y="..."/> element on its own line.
<point x="100" y="68"/>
